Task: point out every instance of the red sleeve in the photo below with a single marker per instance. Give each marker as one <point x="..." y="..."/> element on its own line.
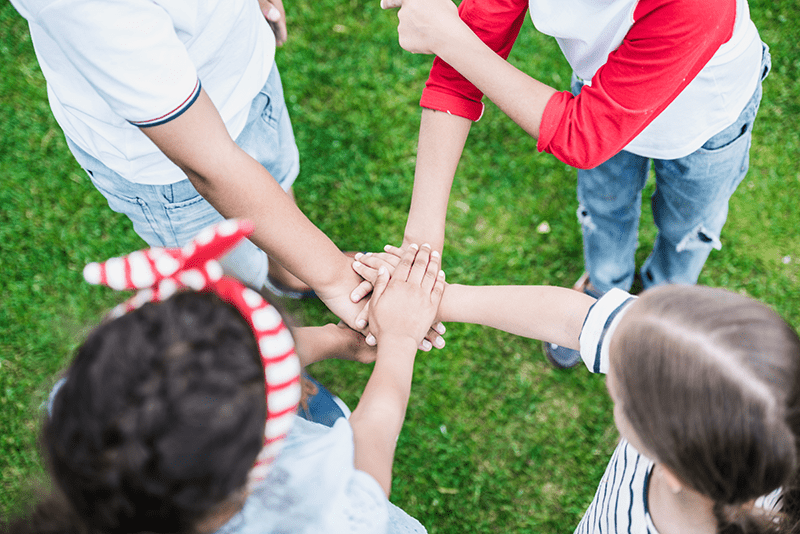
<point x="668" y="44"/>
<point x="496" y="23"/>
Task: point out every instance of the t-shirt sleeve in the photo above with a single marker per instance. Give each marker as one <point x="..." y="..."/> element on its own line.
<point x="667" y="46"/>
<point x="599" y="326"/>
<point x="496" y="23"/>
<point x="129" y="52"/>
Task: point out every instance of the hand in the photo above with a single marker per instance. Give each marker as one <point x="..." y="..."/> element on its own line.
<point x="276" y="16"/>
<point x="367" y="265"/>
<point x="354" y="345"/>
<point x="423" y="24"/>
<point x="405" y="305"/>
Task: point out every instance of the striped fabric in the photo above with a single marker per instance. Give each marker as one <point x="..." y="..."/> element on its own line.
<point x="158" y="273"/>
<point x="177" y="112"/>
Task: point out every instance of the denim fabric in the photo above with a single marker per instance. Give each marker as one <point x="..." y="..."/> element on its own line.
<point x="171" y="215"/>
<point x="690" y="205"/>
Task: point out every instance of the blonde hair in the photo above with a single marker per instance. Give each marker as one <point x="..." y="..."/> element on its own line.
<point x="709" y="381"/>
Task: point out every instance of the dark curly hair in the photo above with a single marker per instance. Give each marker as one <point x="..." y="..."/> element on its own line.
<point x="159" y="421"/>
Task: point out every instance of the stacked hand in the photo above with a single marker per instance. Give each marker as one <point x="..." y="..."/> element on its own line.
<point x="404" y="303"/>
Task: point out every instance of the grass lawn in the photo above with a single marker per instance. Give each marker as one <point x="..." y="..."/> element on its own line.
<point x="495" y="440"/>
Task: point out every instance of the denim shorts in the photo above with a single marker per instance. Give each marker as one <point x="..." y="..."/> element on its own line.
<point x="171" y="215"/>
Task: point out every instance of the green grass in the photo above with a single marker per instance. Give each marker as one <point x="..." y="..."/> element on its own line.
<point x="495" y="440"/>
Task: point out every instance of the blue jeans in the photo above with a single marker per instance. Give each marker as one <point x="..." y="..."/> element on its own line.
<point x="690" y="205"/>
<point x="171" y="215"/>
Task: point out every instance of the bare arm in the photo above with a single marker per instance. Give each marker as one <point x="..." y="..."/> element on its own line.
<point x="238" y="186"/>
<point x="317" y="343"/>
<point x="548" y="313"/>
<point x="441" y="141"/>
<point x="401" y="310"/>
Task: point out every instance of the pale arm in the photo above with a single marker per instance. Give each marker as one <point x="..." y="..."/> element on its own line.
<point x="441" y="142"/>
<point x="401" y="310"/>
<point x="239" y="187"/>
<point x="548" y="313"/>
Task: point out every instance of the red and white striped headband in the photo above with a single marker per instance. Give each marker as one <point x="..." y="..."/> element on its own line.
<point x="159" y="272"/>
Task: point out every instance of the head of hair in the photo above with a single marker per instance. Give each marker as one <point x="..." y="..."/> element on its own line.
<point x="710" y="383"/>
<point x="160" y="419"/>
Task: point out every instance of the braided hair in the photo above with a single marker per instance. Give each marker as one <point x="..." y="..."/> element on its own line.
<point x="160" y="419"/>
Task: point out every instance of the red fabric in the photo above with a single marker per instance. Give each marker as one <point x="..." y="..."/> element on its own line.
<point x="496" y="23"/>
<point x="668" y="44"/>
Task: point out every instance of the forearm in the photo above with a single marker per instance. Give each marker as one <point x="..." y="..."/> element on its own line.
<point x="316" y="343"/>
<point x="379" y="415"/>
<point x="548" y="313"/>
<point x="441" y="142"/>
<point x="520" y="96"/>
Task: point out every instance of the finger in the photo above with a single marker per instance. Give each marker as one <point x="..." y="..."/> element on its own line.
<point x="390" y="4"/>
<point x="394" y="251"/>
<point x="380" y="285"/>
<point x="406" y="262"/>
<point x="420" y="265"/>
<point x="362" y="319"/>
<point x="425" y="345"/>
<point x="431" y="272"/>
<point x="434" y="338"/>
<point x="362" y="290"/>
<point x="438" y="291"/>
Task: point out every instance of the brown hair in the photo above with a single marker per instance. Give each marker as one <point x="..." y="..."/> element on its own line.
<point x="709" y="381"/>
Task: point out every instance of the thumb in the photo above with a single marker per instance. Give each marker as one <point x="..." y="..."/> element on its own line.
<point x="390" y="4"/>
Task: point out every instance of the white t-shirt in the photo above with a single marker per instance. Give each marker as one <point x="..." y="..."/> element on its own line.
<point x="114" y="64"/>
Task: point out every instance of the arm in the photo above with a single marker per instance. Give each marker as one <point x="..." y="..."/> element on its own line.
<point x="441" y="141"/>
<point x="238" y="186"/>
<point x="317" y="343"/>
<point x="548" y="313"/>
<point x="668" y="45"/>
<point x="401" y="310"/>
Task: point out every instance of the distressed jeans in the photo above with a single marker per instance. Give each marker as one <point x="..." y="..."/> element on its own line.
<point x="690" y="205"/>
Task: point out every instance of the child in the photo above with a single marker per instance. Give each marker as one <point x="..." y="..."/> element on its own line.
<point x="159" y="425"/>
<point x="706" y="391"/>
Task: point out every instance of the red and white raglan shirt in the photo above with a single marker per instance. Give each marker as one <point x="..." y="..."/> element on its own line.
<point x="663" y="76"/>
<point x="113" y="66"/>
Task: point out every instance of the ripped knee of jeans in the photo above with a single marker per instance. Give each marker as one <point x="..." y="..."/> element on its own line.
<point x="585" y="219"/>
<point x="699" y="238"/>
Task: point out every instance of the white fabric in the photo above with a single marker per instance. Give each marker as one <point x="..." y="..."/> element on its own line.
<point x="112" y="62"/>
<point x="599" y="327"/>
<point x="587" y="31"/>
<point x="313" y="487"/>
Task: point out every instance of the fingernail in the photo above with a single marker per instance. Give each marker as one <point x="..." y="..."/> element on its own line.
<point x="371" y="339"/>
<point x="368" y="254"/>
<point x="439" y="342"/>
<point x="435" y="253"/>
<point x="358" y="255"/>
<point x="274" y="14"/>
<point x="387" y="248"/>
<point x="382" y="270"/>
<point x="357" y="264"/>
<point x="439" y="327"/>
<point x="426" y="345"/>
<point x="441" y="273"/>
<point x="414" y="246"/>
<point x="361" y="323"/>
